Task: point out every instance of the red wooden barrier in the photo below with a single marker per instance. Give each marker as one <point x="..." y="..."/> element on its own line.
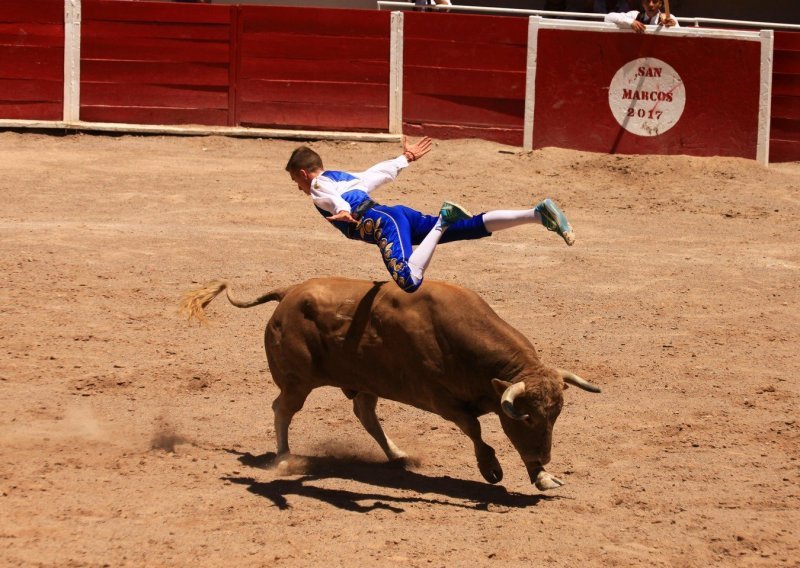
<point x="32" y="59"/>
<point x="464" y="76"/>
<point x="313" y="68"/>
<point x="720" y="79"/>
<point x="785" y="125"/>
<point x="155" y="63"/>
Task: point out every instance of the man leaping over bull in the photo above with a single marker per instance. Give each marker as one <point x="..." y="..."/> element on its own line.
<point x="344" y="199"/>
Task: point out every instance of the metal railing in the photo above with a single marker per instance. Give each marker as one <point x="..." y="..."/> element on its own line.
<point x="684" y="21"/>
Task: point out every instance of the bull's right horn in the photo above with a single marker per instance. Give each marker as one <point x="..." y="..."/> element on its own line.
<point x="507" y="401"/>
<point x="577" y="381"/>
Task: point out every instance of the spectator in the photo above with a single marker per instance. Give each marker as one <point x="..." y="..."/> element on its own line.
<point x="649" y="15"/>
<point x="424" y="4"/>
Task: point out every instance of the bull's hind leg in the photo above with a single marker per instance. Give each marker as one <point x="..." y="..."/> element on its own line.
<point x="285" y="406"/>
<point x="364" y="405"/>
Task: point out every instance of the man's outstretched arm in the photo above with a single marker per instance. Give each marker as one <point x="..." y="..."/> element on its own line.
<point x="388" y="170"/>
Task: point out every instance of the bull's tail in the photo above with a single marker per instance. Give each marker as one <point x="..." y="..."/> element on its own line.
<point x="194" y="301"/>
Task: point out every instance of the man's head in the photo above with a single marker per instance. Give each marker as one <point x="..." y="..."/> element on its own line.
<point x="651" y="7"/>
<point x="303" y="166"/>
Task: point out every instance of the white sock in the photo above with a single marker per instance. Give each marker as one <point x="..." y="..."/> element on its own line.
<point x="421" y="257"/>
<point x="505" y="219"/>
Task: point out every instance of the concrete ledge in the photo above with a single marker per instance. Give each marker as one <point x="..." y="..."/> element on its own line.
<point x="198" y="130"/>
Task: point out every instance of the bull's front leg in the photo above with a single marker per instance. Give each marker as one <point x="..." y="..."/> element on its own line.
<point x="469" y="424"/>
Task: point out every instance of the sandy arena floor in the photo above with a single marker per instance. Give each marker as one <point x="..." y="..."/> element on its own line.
<point x="129" y="437"/>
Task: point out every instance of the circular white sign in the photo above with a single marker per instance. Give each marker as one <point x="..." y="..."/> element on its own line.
<point x="647" y="96"/>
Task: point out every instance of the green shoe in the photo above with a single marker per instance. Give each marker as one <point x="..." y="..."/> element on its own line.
<point x="452" y="212"/>
<point x="554" y="220"/>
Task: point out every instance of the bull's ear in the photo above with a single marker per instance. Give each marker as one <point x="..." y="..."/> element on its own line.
<point x="500" y="386"/>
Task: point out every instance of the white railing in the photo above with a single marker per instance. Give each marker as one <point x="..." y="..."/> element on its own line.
<point x="696" y="22"/>
<point x="685" y="21"/>
<point x="491" y="10"/>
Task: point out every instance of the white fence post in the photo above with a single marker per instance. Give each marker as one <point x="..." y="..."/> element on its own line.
<point x="396" y="74"/>
<point x="72" y="60"/>
<point x="765" y="96"/>
<point x="530" y="82"/>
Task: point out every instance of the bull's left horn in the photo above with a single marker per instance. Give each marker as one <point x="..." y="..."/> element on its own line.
<point x="577" y="381"/>
<point x="507" y="400"/>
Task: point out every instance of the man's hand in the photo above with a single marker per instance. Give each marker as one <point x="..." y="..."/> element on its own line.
<point x="416" y="151"/>
<point x="669" y="22"/>
<point x="638" y="26"/>
<point x="342" y="216"/>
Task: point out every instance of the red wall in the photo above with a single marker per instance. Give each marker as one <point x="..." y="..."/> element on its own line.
<point x="313" y="68"/>
<point x="155" y="63"/>
<point x="721" y="79"/>
<point x="464" y="76"/>
<point x="258" y="66"/>
<point x="325" y="69"/>
<point x="784" y="144"/>
<point x="31" y="59"/>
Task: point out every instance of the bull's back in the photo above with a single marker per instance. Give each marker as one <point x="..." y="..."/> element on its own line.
<point x="364" y="335"/>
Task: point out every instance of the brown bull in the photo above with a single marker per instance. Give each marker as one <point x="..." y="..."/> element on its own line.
<point x="441" y="349"/>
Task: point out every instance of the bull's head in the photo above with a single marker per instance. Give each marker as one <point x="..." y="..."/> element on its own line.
<point x="530" y="409"/>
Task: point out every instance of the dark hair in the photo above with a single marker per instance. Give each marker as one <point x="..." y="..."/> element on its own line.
<point x="304" y="158"/>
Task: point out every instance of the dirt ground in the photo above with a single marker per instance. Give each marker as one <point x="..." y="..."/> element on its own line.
<point x="130" y="437"/>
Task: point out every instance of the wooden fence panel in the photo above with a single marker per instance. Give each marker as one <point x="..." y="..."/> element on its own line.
<point x="709" y="108"/>
<point x="784" y="136"/>
<point x="313" y="68"/>
<point x="155" y="63"/>
<point x="464" y="76"/>
<point x="32" y="59"/>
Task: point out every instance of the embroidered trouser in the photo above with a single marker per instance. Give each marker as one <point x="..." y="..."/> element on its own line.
<point x="396" y="228"/>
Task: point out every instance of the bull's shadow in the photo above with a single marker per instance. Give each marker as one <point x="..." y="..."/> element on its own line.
<point x="459" y="492"/>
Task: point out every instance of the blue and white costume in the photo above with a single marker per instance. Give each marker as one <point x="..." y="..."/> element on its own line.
<point x="394" y="228"/>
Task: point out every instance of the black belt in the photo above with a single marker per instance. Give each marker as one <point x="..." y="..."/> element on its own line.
<point x="362" y="208"/>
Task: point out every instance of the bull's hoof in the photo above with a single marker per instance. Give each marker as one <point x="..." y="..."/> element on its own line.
<point x="396" y="455"/>
<point x="403" y="460"/>
<point x="287" y="464"/>
<point x="545" y="481"/>
<point x="491" y="471"/>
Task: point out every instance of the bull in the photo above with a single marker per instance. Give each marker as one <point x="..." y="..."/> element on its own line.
<point x="441" y="349"/>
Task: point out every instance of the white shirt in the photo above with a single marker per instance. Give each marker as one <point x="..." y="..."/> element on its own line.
<point x="326" y="191"/>
<point x="625" y="19"/>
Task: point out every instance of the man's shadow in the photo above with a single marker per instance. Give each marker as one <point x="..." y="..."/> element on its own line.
<point x="390" y="475"/>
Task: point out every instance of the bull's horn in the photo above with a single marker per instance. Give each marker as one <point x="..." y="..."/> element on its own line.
<point x="577" y="381"/>
<point x="507" y="400"/>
